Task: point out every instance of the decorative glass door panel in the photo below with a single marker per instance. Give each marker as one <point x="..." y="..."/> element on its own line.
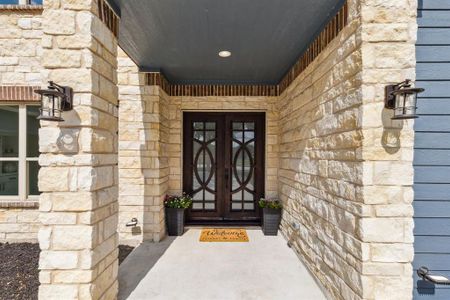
<point x="223" y="165"/>
<point x="243" y="165"/>
<point x="204" y="166"/>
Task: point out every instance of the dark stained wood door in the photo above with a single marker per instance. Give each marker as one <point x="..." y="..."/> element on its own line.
<point x="223" y="165"/>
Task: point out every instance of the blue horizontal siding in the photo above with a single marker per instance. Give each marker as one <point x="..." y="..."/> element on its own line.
<point x="432" y="53"/>
<point x="433" y="36"/>
<point x="434" y="294"/>
<point x="435" y="261"/>
<point x="433" y="18"/>
<point x="433" y="4"/>
<point x="436" y="209"/>
<point x="433" y="71"/>
<point x="431" y="244"/>
<point x="433" y="106"/>
<point x="432" y="140"/>
<point x="432" y="148"/>
<point x="433" y="123"/>
<point x="430" y="191"/>
<point x="432" y="174"/>
<point x="431" y="157"/>
<point x="435" y="89"/>
<point x="432" y="226"/>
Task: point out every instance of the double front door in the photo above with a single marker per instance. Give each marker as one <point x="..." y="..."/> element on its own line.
<point x="223" y="165"/>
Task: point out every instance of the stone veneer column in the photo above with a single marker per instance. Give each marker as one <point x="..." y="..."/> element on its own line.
<point x="388" y="36"/>
<point x="78" y="178"/>
<point x="143" y="158"/>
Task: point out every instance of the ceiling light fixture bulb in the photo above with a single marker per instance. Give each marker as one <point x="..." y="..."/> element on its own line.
<point x="224" y="53"/>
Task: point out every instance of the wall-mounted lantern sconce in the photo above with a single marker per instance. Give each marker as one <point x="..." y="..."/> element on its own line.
<point x="402" y="98"/>
<point x="54" y="101"/>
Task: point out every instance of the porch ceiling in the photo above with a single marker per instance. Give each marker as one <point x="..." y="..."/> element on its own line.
<point x="182" y="38"/>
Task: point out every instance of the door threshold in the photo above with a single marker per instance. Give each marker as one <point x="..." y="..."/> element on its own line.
<point x="246" y="227"/>
<point x="227" y="223"/>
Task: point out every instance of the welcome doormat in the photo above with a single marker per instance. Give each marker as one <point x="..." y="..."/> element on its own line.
<point x="223" y="235"/>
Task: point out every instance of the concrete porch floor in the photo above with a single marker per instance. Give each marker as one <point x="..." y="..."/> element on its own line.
<point x="184" y="268"/>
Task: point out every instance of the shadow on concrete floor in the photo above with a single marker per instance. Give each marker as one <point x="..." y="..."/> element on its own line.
<point x="139" y="263"/>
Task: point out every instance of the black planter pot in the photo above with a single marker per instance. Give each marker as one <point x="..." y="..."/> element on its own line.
<point x="175" y="221"/>
<point x="271" y="221"/>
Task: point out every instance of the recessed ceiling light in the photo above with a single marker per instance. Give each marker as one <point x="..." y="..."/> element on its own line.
<point x="224" y="53"/>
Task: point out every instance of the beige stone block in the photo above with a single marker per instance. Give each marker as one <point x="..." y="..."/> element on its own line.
<point x="53" y="179"/>
<point x="45" y="277"/>
<point x="383" y="194"/>
<point x="96" y="141"/>
<point x="9" y="61"/>
<point x="392" y="287"/>
<point x="8" y="216"/>
<point x="75" y="41"/>
<point x="58" y="140"/>
<point x="59" y="22"/>
<point x="61" y="58"/>
<point x="92" y="179"/>
<point x="110" y="226"/>
<point x="44" y="237"/>
<point x="28" y="216"/>
<point x="58" y="292"/>
<point x="73" y="276"/>
<point x="60" y="260"/>
<point x="394" y="210"/>
<point x="77" y="201"/>
<point x="393" y="253"/>
<point x="62" y="218"/>
<point x="78" y="5"/>
<point x="107" y="196"/>
<point x="375" y="229"/>
<point x="393" y="173"/>
<point x="73" y="237"/>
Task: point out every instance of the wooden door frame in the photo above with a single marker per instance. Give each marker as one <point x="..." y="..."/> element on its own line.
<point x="260" y="119"/>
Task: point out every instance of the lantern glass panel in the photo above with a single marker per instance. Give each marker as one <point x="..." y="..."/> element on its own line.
<point x="51" y="107"/>
<point x="405" y="105"/>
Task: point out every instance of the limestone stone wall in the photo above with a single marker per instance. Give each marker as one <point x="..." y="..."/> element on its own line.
<point x="345" y="174"/>
<point x="18" y="224"/>
<point x="20" y="64"/>
<point x="217" y="103"/>
<point x="143" y="160"/>
<point x="20" y="47"/>
<point x="78" y="177"/>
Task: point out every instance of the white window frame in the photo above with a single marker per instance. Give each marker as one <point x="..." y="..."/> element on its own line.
<point x="24" y="2"/>
<point x="23" y="178"/>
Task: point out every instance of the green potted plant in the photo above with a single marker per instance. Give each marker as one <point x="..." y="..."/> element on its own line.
<point x="271" y="216"/>
<point x="175" y="207"/>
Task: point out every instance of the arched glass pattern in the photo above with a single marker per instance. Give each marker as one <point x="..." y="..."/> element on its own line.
<point x="243" y="166"/>
<point x="204" y="165"/>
